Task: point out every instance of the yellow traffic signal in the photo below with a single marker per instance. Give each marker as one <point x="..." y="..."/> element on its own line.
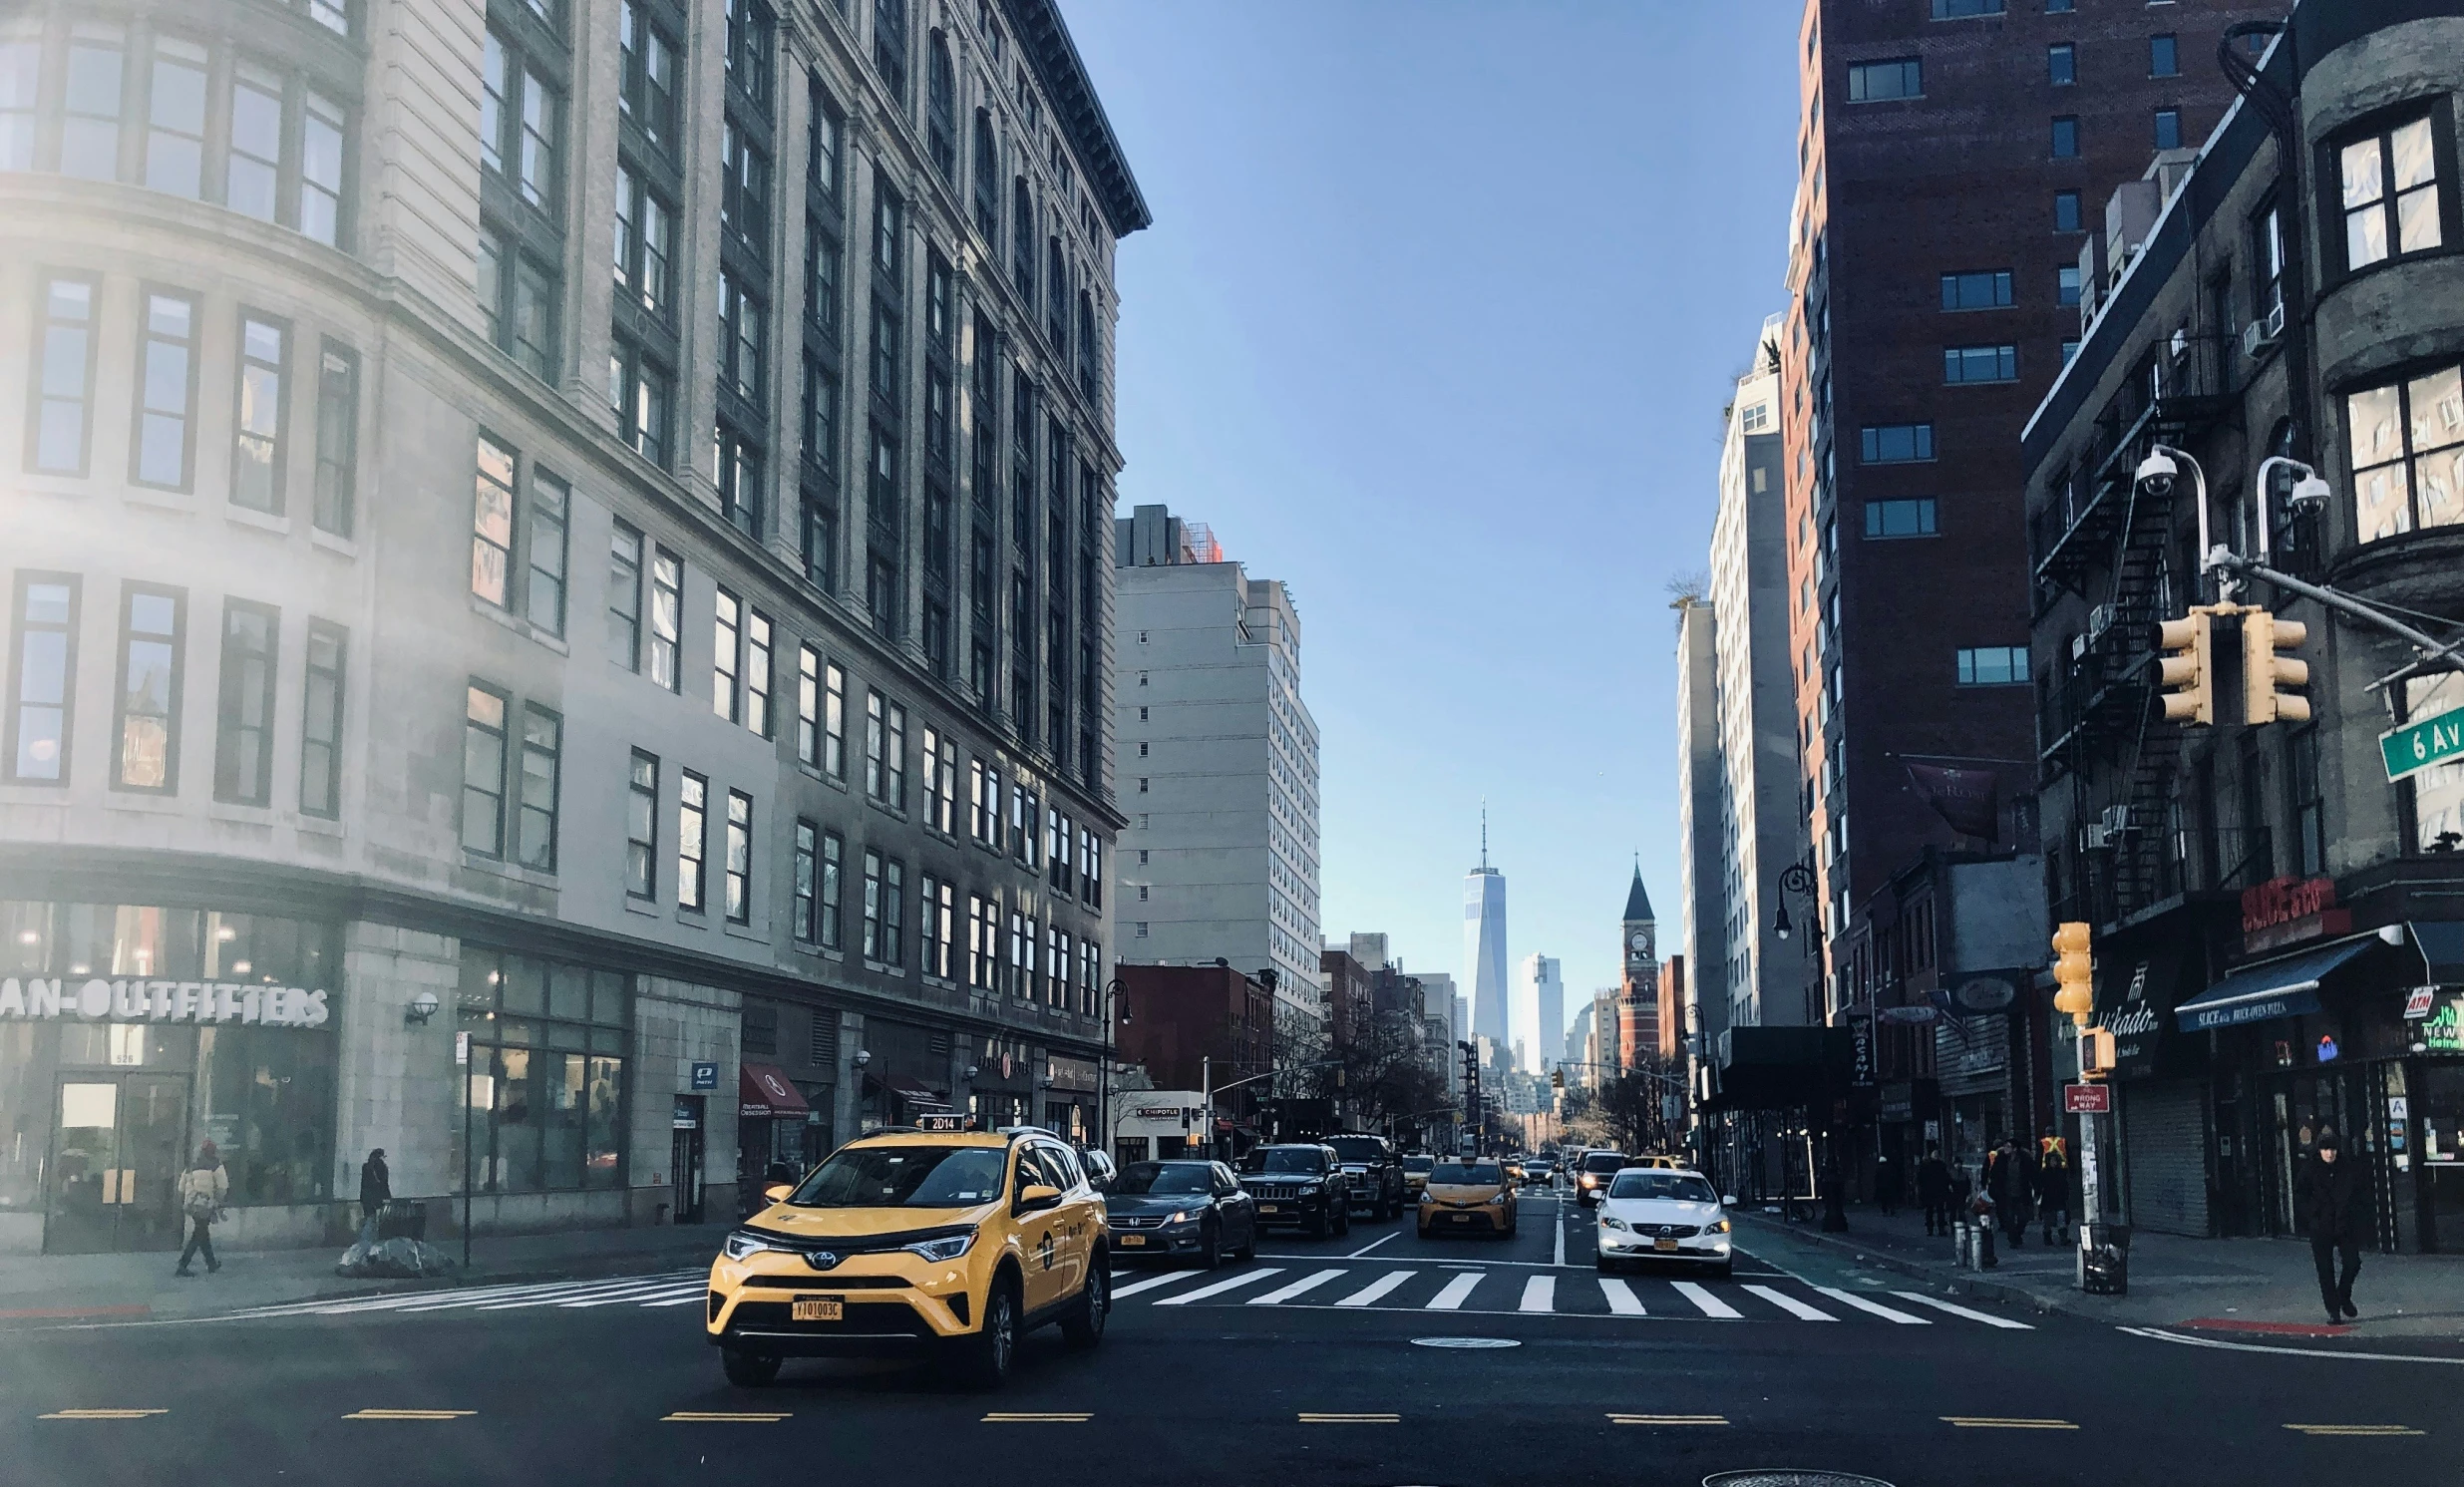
<point x="1556" y="1078"/>
<point x="2188" y="669"/>
<point x="2265" y="674"/>
<point x="2074" y="973"/>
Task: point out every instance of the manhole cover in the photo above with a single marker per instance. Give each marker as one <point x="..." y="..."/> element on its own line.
<point x="1791" y="1477"/>
<point x="1465" y="1342"/>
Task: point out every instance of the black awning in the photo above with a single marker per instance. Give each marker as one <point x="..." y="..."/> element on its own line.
<point x="2441" y="942"/>
<point x="2287" y="986"/>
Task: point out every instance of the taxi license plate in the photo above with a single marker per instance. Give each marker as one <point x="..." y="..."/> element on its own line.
<point x="820" y="1308"/>
<point x="1665" y="1244"/>
<point x="1132" y="1239"/>
<point x="1267" y="1208"/>
<point x="1461" y="1218"/>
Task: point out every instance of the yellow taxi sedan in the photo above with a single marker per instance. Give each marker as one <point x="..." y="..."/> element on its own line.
<point x="1467" y="1197"/>
<point x="940" y="1240"/>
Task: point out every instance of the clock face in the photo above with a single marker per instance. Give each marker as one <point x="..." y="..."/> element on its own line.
<point x="1642" y="942"/>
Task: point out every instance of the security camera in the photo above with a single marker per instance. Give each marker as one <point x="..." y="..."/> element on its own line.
<point x="973" y="1071"/>
<point x="2310" y="494"/>
<point x="2158" y="470"/>
<point x="862" y="1056"/>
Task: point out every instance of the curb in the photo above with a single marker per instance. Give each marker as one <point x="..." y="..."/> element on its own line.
<point x="1961" y="1283"/>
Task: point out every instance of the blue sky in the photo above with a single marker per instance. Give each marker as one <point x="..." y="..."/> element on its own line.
<point x="1435" y="324"/>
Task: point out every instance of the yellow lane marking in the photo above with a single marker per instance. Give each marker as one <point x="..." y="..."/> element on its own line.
<point x="102" y="1414"/>
<point x="2356" y="1429"/>
<point x="709" y="1417"/>
<point x="1330" y="1419"/>
<point x="1617" y="1419"/>
<point x="410" y="1414"/>
<point x="1025" y="1417"/>
<point x="1997" y="1422"/>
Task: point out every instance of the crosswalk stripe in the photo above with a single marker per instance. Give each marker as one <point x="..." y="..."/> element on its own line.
<point x="522" y="1295"/>
<point x="576" y="1293"/>
<point x="1987" y="1318"/>
<point x="1376" y="1290"/>
<point x="1282" y="1294"/>
<point x="1877" y="1308"/>
<point x="1540" y="1294"/>
<point x="686" y="1300"/>
<point x="1705" y="1302"/>
<point x="1220" y="1287"/>
<point x="1790" y="1304"/>
<point x="642" y="1295"/>
<point x="1458" y="1291"/>
<point x="1149" y="1284"/>
<point x="1621" y="1298"/>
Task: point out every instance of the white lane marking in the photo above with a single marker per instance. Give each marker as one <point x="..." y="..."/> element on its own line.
<point x="1621" y="1297"/>
<point x="1373" y="1243"/>
<point x="1456" y="1293"/>
<point x="647" y="1295"/>
<point x="1304" y="1285"/>
<point x="1877" y="1308"/>
<point x="1987" y="1318"/>
<point x="1150" y="1283"/>
<point x="2161" y="1335"/>
<point x="1561" y="1223"/>
<point x="1219" y="1288"/>
<point x="1540" y="1294"/>
<point x="1790" y="1304"/>
<point x="1377" y="1288"/>
<point x="1705" y="1301"/>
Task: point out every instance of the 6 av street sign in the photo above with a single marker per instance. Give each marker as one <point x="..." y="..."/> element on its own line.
<point x="2416" y="746"/>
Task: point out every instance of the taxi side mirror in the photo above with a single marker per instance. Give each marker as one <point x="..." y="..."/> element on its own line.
<point x="776" y="1192"/>
<point x="1038" y="1196"/>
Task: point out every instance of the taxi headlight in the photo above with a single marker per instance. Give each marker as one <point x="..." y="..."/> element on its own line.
<point x="1612" y="1221"/>
<point x="743" y="1245"/>
<point x="947" y="1247"/>
<point x="1500" y="1198"/>
<point x="1424" y="1196"/>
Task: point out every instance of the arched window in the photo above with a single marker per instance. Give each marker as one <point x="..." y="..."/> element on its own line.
<point x="1056" y="298"/>
<point x="987" y="186"/>
<point x="1086" y="368"/>
<point x="1022" y="239"/>
<point x="941" y="108"/>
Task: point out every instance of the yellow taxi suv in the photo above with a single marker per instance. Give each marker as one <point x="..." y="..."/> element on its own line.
<point x="1467" y="1197"/>
<point x="1416" y="1175"/>
<point x="938" y="1241"/>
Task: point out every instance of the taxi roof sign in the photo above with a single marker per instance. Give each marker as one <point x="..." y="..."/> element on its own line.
<point x="940" y="1122"/>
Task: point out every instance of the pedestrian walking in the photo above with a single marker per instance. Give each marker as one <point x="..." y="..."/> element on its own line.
<point x="1887" y="1185"/>
<point x="1933" y="1191"/>
<point x="376" y="1188"/>
<point x="2007" y="1189"/>
<point x="2053" y="1191"/>
<point x="2021" y="1203"/>
<point x="202" y="1188"/>
<point x="2335" y="1205"/>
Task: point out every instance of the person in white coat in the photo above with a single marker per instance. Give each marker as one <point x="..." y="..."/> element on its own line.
<point x="203" y="1189"/>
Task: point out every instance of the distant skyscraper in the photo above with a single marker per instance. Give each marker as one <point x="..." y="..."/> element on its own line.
<point x="1537" y="1016"/>
<point x="1484" y="942"/>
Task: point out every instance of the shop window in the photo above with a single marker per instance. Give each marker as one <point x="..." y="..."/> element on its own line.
<point x="547" y="1085"/>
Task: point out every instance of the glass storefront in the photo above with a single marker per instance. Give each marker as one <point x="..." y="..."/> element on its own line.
<point x="545" y="1087"/>
<point x="131" y="1035"/>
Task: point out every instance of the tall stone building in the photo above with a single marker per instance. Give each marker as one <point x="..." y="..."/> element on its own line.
<point x="1637" y="1007"/>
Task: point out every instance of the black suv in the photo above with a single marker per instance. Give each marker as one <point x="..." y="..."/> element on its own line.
<point x="1301" y="1183"/>
<point x="1375" y="1173"/>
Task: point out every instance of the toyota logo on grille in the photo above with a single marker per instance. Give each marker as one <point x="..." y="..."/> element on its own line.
<point x="821" y="1259"/>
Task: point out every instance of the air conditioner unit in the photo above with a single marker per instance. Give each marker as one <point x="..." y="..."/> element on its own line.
<point x="2099" y="621"/>
<point x="2095" y="838"/>
<point x="2263" y="334"/>
<point x="2116" y="819"/>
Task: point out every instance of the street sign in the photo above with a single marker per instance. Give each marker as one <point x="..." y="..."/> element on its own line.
<point x="2419" y="1001"/>
<point x="705" y="1076"/>
<point x="2087" y="1099"/>
<point x="2416" y="746"/>
<point x="461" y="1050"/>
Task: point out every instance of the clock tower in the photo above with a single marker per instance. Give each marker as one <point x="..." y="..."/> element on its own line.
<point x="1639" y="982"/>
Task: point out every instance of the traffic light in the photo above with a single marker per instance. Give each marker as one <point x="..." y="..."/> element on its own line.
<point x="1557" y="1079"/>
<point x="2188" y="671"/>
<point x="2074" y="973"/>
<point x="2095" y="1051"/>
<point x="2265" y="674"/>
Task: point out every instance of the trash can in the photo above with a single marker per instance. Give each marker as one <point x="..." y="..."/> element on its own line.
<point x="402" y="1220"/>
<point x="2104" y="1259"/>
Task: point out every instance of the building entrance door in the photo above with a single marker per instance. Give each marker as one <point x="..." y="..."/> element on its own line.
<point x="118" y="1144"/>
<point x="686" y="1152"/>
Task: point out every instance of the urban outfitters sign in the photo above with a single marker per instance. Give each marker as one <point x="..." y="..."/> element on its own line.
<point x="99" y="1001"/>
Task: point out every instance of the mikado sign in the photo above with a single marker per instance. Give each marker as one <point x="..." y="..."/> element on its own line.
<point x="99" y="1001"/>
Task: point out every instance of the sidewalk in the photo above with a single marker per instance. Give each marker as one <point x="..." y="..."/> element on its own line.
<point x="2262" y="1287"/>
<point x="47" y="1289"/>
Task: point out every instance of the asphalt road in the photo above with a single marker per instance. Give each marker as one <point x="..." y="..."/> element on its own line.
<point x="1326" y="1370"/>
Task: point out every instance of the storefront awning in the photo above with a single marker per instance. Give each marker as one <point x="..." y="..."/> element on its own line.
<point x="2441" y="942"/>
<point x="917" y="1094"/>
<point x="763" y="1090"/>
<point x="2282" y="988"/>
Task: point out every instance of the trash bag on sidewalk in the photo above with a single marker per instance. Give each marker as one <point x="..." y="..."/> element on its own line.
<point x="400" y="1257"/>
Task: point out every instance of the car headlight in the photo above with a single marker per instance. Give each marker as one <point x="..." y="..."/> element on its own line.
<point x="1612" y="1221"/>
<point x="743" y="1243"/>
<point x="1181" y="1217"/>
<point x="1716" y="1226"/>
<point x="1308" y="1188"/>
<point x="947" y="1247"/>
<point x="1590" y="1181"/>
<point x="1500" y="1198"/>
<point x="1424" y="1196"/>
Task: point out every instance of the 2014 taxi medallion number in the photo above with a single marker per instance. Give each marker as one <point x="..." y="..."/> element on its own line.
<point x="820" y="1308"/>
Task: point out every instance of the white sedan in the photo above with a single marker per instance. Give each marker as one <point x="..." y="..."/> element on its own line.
<point x="1654" y="1213"/>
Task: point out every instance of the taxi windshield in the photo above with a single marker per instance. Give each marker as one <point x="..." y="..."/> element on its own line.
<point x="904" y="1176"/>
<point x="1418" y="1164"/>
<point x="1684" y="1187"/>
<point x="1467" y="1175"/>
<point x="1140" y="1178"/>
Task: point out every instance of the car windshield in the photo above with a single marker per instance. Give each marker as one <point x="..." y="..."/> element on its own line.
<point x="1286" y="1159"/>
<point x="1602" y="1161"/>
<point x="1468" y="1174"/>
<point x="1684" y="1187"/>
<point x="1141" y="1178"/>
<point x="1418" y="1164"/>
<point x="905" y="1177"/>
<point x="1356" y="1149"/>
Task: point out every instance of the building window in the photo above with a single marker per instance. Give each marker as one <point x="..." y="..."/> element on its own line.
<point x="648" y="92"/>
<point x="520" y="124"/>
<point x="824" y="138"/>
<point x="2066" y="137"/>
<point x="692" y="841"/>
<point x="1022" y="244"/>
<point x="1893" y="444"/>
<point x="1954" y="10"/>
<point x="1875" y="82"/>
<point x="748" y="51"/>
<point x="257" y="434"/>
<point x="757" y="668"/>
<point x="549" y="518"/>
<point x="483" y="772"/>
<point x="833" y="859"/>
<point x="666" y="616"/>
<point x="875" y="908"/>
<point x="821" y="413"/>
<point x="739" y="857"/>
<point x="166" y="393"/>
<point x="1993" y="666"/>
<point x="90" y="128"/>
<point x="2389" y="194"/>
<point x="254" y="171"/>
<point x="148" y="728"/>
<point x="2066" y="213"/>
<point x="1982" y="289"/>
<point x="2066" y="284"/>
<point x="646" y="244"/>
<point x="808" y="706"/>
<point x="320" y="721"/>
<point x="889" y="43"/>
<point x="337" y="439"/>
<point x="983" y="942"/>
<point x="176" y="118"/>
<point x="736" y="469"/>
<point x="65" y="388"/>
<point x="244" y="720"/>
<point x="542" y="767"/>
<point x="519" y="297"/>
<point x="941" y="110"/>
<point x="1895" y="519"/>
<point x="624" y="596"/>
<point x="43" y="666"/>
<point x="1091" y="871"/>
<point x="2061" y="64"/>
<point x="318" y="209"/>
<point x="491" y="522"/>
<point x="740" y="340"/>
<point x="726" y="637"/>
<point x="2406" y="442"/>
<point x="2168" y="128"/>
<point x="2309" y="806"/>
<point x="933" y="930"/>
<point x="642" y="826"/>
<point x="641" y="392"/>
<point x="821" y="540"/>
<point x="806" y="880"/>
<point x="1964" y="364"/>
<point x="541" y="1119"/>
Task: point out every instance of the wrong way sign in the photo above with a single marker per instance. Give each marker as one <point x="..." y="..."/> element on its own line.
<point x="2087" y="1099"/>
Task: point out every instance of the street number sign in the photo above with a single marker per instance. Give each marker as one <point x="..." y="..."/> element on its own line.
<point x="2087" y="1099"/>
<point x="2416" y="746"/>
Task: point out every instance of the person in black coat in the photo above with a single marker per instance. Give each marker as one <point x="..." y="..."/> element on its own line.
<point x="2335" y="1206"/>
<point x="376" y="1188"/>
<point x="1933" y="1191"/>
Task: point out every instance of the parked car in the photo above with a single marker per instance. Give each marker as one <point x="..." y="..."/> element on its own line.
<point x="1662" y="1214"/>
<point x="1593" y="1176"/>
<point x="1469" y="1196"/>
<point x="1180" y="1208"/>
<point x="1302" y="1184"/>
<point x="1375" y="1173"/>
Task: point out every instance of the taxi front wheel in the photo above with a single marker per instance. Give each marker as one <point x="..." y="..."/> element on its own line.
<point x="748" y="1370"/>
<point x="983" y="1359"/>
<point x="1084" y="1327"/>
